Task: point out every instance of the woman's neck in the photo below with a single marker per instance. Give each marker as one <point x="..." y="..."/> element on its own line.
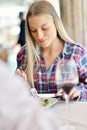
<point x="52" y="52"/>
<point x="54" y="49"/>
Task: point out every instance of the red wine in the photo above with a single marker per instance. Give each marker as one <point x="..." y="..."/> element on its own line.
<point x="67" y="87"/>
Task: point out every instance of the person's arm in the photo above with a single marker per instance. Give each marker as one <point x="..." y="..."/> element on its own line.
<point x="80" y="90"/>
<point x="82" y="86"/>
<point x="22" y="62"/>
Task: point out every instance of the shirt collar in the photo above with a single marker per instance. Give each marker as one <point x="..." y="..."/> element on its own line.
<point x="67" y="48"/>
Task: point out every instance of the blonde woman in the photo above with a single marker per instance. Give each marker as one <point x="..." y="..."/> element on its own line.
<point x="46" y="44"/>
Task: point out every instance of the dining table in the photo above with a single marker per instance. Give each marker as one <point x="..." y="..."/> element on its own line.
<point x="72" y="115"/>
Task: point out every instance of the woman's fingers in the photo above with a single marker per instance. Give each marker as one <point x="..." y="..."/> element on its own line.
<point x="74" y="93"/>
<point x="61" y="92"/>
<point x="34" y="92"/>
<point x="21" y="73"/>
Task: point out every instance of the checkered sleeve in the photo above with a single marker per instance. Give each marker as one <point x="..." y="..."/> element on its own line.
<point x="82" y="70"/>
<point x="22" y="58"/>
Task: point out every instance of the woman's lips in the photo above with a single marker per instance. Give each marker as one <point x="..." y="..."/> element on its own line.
<point x="42" y="41"/>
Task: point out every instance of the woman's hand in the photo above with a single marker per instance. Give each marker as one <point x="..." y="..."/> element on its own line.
<point x="34" y="92"/>
<point x="61" y="92"/>
<point x="74" y="93"/>
<point x="21" y="73"/>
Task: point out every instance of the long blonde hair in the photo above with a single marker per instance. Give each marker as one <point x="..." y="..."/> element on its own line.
<point x="39" y="8"/>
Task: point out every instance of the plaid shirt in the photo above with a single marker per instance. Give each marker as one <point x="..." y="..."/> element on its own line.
<point x="45" y="80"/>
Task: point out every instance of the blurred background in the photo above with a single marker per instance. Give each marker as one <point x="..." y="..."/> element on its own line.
<point x="72" y="12"/>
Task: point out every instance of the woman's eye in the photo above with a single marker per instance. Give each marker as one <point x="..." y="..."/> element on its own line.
<point x="44" y="28"/>
<point x="33" y="31"/>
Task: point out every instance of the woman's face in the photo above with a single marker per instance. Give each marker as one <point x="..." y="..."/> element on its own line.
<point x="43" y="30"/>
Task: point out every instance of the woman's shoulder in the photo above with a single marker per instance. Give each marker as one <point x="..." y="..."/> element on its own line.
<point x="76" y="46"/>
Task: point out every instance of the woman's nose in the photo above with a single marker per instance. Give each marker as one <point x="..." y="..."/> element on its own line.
<point x="40" y="34"/>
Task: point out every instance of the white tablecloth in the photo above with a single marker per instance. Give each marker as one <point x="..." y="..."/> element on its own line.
<point x="74" y="115"/>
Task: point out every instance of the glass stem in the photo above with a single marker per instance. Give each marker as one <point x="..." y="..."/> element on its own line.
<point x="66" y="98"/>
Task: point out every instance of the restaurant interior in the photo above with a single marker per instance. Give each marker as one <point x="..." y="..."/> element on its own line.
<point x="74" y="17"/>
<point x="73" y="14"/>
<point x="9" y="27"/>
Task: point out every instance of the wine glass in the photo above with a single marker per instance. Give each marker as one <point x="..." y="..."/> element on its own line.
<point x="66" y="76"/>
